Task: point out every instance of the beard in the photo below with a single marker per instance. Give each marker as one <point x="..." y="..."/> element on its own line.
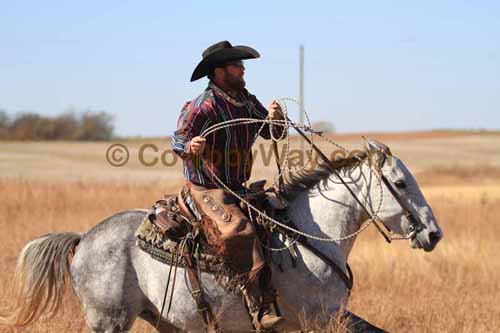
<point x="234" y="82"/>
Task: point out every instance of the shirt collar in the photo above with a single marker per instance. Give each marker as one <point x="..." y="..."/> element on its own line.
<point x="226" y="96"/>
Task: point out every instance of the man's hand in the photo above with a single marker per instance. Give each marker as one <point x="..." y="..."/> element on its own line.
<point x="275" y="112"/>
<point x="197" y="145"/>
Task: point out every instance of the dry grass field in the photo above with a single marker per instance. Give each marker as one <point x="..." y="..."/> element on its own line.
<point x="50" y="187"/>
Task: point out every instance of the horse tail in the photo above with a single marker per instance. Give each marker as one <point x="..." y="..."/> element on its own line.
<point x="41" y="277"/>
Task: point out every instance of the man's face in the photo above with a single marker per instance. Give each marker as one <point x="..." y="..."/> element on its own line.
<point x="232" y="76"/>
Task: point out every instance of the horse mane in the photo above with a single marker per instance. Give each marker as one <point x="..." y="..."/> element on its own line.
<point x="305" y="179"/>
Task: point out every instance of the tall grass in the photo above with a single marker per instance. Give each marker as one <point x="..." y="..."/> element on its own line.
<point x="453" y="289"/>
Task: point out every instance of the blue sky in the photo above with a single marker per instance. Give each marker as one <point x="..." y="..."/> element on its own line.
<point x="370" y="66"/>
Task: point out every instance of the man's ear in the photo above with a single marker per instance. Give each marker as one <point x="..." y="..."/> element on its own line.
<point x="219" y="71"/>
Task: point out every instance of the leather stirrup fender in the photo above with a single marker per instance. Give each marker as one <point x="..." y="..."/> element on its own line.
<point x="184" y="210"/>
<point x="202" y="305"/>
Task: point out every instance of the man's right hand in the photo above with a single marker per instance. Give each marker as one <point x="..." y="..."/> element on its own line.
<point x="197" y="145"/>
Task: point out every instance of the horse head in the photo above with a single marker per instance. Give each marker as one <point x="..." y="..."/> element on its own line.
<point x="404" y="210"/>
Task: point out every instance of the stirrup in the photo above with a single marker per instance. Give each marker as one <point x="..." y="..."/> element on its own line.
<point x="261" y="314"/>
<point x="269" y="319"/>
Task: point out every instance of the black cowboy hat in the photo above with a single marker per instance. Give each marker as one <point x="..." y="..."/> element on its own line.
<point x="219" y="54"/>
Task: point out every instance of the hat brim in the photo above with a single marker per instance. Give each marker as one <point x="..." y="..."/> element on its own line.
<point x="222" y="56"/>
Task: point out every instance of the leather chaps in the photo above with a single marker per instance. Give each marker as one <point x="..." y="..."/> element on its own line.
<point x="229" y="231"/>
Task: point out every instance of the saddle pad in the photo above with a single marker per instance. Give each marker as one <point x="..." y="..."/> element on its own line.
<point x="153" y="235"/>
<point x="153" y="241"/>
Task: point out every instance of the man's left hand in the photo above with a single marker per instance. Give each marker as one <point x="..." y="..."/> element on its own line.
<point x="275" y="112"/>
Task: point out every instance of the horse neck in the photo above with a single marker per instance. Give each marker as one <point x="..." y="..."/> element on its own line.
<point x="331" y="211"/>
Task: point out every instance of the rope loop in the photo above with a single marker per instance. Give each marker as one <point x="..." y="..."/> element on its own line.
<point x="286" y="168"/>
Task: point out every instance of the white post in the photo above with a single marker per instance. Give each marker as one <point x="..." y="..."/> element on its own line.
<point x="301" y="91"/>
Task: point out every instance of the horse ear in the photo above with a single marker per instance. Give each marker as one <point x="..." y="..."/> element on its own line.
<point x="378" y="152"/>
<point x="372" y="145"/>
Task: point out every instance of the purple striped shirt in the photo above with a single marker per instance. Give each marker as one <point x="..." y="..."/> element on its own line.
<point x="228" y="152"/>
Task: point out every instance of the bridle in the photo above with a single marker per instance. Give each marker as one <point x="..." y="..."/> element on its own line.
<point x="415" y="224"/>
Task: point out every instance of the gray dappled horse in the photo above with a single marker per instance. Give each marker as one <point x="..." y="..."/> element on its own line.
<point x="116" y="282"/>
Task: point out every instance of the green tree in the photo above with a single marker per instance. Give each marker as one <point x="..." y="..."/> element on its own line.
<point x="88" y="125"/>
<point x="4" y="125"/>
<point x="95" y="126"/>
<point x="324" y="126"/>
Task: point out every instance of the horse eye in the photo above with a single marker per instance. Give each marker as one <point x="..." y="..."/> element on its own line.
<point x="401" y="184"/>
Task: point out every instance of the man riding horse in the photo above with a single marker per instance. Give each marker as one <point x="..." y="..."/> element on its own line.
<point x="226" y="156"/>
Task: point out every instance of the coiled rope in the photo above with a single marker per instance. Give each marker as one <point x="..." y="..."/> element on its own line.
<point x="286" y="124"/>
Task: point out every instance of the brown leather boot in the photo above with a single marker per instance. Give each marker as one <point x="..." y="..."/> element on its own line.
<point x="269" y="318"/>
<point x="263" y="317"/>
<point x="269" y="313"/>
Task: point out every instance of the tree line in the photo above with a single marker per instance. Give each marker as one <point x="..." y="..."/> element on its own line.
<point x="71" y="125"/>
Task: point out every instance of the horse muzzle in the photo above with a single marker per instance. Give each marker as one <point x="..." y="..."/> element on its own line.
<point x="426" y="239"/>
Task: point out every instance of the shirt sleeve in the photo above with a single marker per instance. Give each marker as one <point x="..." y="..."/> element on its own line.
<point x="191" y="123"/>
<point x="260" y="112"/>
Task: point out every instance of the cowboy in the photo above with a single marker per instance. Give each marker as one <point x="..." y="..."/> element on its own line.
<point x="224" y="158"/>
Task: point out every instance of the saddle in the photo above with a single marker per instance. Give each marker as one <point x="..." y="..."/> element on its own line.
<point x="170" y="220"/>
<point x="174" y="233"/>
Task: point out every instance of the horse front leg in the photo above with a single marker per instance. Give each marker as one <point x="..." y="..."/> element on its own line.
<point x="164" y="327"/>
<point x="358" y="325"/>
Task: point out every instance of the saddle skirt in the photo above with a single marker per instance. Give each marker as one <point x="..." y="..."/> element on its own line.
<point x="174" y="219"/>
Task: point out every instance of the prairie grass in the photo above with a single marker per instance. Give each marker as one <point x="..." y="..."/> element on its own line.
<point x="452" y="289"/>
<point x="52" y="187"/>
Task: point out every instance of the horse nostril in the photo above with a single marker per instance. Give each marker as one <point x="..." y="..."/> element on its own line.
<point x="434" y="237"/>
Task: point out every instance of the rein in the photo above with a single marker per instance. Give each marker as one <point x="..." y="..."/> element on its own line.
<point x="325" y="159"/>
<point x="347" y="278"/>
<point x="302" y="238"/>
<point x="415" y="224"/>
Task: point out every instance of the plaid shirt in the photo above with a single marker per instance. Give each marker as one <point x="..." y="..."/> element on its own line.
<point x="228" y="152"/>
